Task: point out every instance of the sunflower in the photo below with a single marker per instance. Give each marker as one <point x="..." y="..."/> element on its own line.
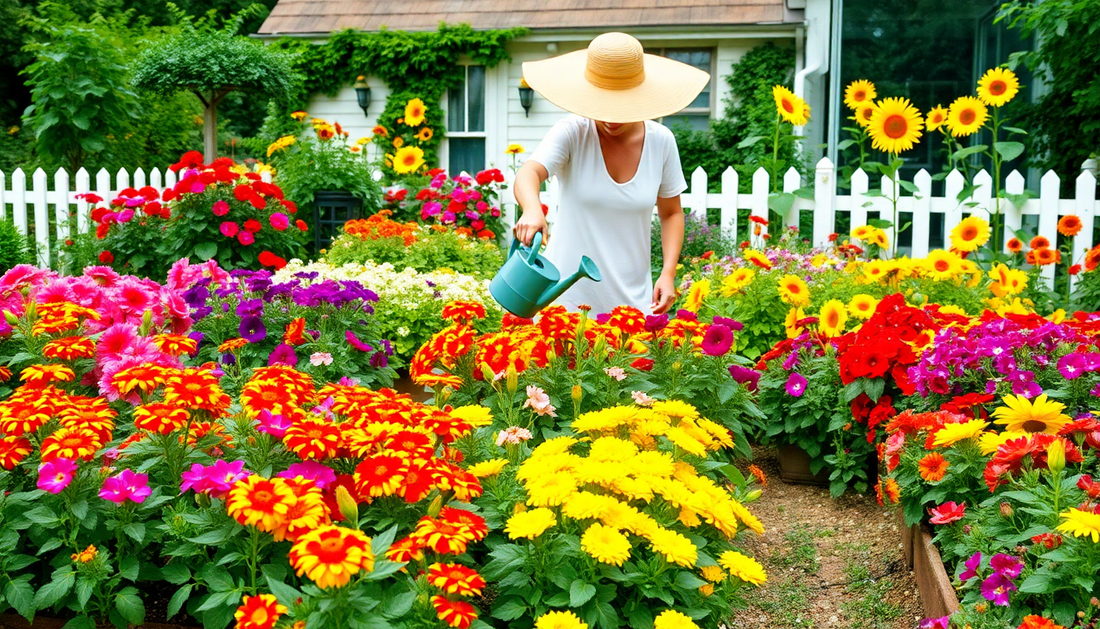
<point x="997" y="87"/>
<point x="258" y="612"/>
<point x="965" y="116"/>
<point x="414" y="112"/>
<point x="895" y="125"/>
<point x="933" y="467"/>
<point x="951" y="434"/>
<point x="832" y="318"/>
<point x="606" y="544"/>
<point x="935" y="118"/>
<point x="972" y="232"/>
<point x="408" y="159"/>
<point x="790" y="107"/>
<point x="331" y="555"/>
<point x="1069" y="225"/>
<point x="757" y="258"/>
<point x="696" y="294"/>
<point x="943" y="265"/>
<point x="1038" y="415"/>
<point x="862" y="306"/>
<point x="530" y="524"/>
<point x="794" y="291"/>
<point x="1081" y="523"/>
<point x="864" y="113"/>
<point x="859" y="93"/>
<point x="734" y="282"/>
<point x="260" y="502"/>
<point x="743" y="567"/>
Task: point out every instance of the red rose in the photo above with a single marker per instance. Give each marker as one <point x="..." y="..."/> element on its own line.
<point x="169" y="195"/>
<point x="252" y="225"/>
<point x="106" y="257"/>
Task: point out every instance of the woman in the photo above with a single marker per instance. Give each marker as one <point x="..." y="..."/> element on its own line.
<point x="614" y="164"/>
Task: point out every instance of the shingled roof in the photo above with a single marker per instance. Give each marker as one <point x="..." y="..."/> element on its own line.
<point x="303" y="17"/>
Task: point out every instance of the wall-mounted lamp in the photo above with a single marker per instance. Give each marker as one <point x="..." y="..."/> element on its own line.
<point x="526" y="97"/>
<point x="362" y="93"/>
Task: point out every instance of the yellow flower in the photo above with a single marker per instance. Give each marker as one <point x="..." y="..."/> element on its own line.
<point x="549" y="490"/>
<point x="859" y="93"/>
<point x="475" y="415"/>
<point x="714" y="574"/>
<point x="299" y="115"/>
<point x="794" y="315"/>
<point x="972" y="232"/>
<point x="530" y="524"/>
<point x="990" y="441"/>
<point x="864" y="113"/>
<point x="398" y="142"/>
<point x="965" y="116"/>
<point x="862" y="306"/>
<point x="793" y="290"/>
<point x="606" y="544"/>
<point x="676" y="548"/>
<point x="408" y="159"/>
<point x="363" y="141"/>
<point x="414" y="112"/>
<point x="424" y="134"/>
<point x="935" y="118"/>
<point x="559" y="620"/>
<point x="943" y="265"/>
<point x="832" y="318"/>
<point x="951" y="434"/>
<point x="757" y="258"/>
<point x="743" y="567"/>
<point x="672" y="619"/>
<point x="1039" y="415"/>
<point x="790" y="107"/>
<point x="734" y="282"/>
<point x="585" y="505"/>
<point x="696" y="294"/>
<point x="488" y="468"/>
<point x="681" y="439"/>
<point x="1081" y="524"/>
<point x="514" y="149"/>
<point x="675" y="408"/>
<point x="895" y="125"/>
<point x="280" y="144"/>
<point x="997" y="87"/>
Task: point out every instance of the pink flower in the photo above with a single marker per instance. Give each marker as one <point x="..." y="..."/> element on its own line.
<point x="126" y="486"/>
<point x="56" y="475"/>
<point x="229" y="229"/>
<point x="539" y="402"/>
<point x="274" y="425"/>
<point x="321" y="475"/>
<point x="215" y="480"/>
<point x="246" y="238"/>
<point x="220" y="208"/>
<point x="356" y="343"/>
<point x="641" y="399"/>
<point x="947" y="513"/>
<point x="482" y="206"/>
<point x="279" y="221"/>
<point x="615" y="372"/>
<point x="513" y="435"/>
<point x="320" y="358"/>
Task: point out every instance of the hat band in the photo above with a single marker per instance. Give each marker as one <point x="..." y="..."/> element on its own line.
<point x="614" y="82"/>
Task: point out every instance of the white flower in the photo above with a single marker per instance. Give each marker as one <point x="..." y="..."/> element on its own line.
<point x="539" y="402"/>
<point x="641" y="399"/>
<point x="403" y="331"/>
<point x="320" y="358"/>
<point x="616" y="373"/>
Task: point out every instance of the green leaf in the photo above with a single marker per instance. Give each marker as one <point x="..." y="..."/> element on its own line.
<point x="1008" y="150"/>
<point x="178" y="599"/>
<point x="130" y="605"/>
<point x="217" y="578"/>
<point x="880" y="223"/>
<point x="285" y="593"/>
<point x="398" y="605"/>
<point x="48" y="595"/>
<point x="1038" y="583"/>
<point x="128" y="568"/>
<point x="510" y="609"/>
<point x="42" y="515"/>
<point x="80" y="622"/>
<point x="84" y="588"/>
<point x="734" y="475"/>
<point x="175" y="573"/>
<point x="747" y="142"/>
<point x="968" y="151"/>
<point x="781" y="202"/>
<point x="688" y="581"/>
<point x="1015" y="130"/>
<point x="136" y="531"/>
<point x="381" y="542"/>
<point x="206" y="250"/>
<point x="580" y="593"/>
<point x="213" y="538"/>
<point x="79" y="509"/>
<point x="20" y="595"/>
<point x="845" y="144"/>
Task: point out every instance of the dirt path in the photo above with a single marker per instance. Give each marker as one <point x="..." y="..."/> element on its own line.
<point x="831" y="563"/>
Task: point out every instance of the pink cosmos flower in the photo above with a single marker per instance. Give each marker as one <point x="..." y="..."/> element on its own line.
<point x="56" y="475"/>
<point x="229" y="229"/>
<point x="279" y="221"/>
<point x="128" y="485"/>
<point x="539" y="402"/>
<point x="321" y="475"/>
<point x="220" y="208"/>
<point x="616" y="372"/>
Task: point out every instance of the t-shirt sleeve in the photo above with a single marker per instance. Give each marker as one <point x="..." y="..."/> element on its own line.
<point x="672" y="176"/>
<point x="555" y="149"/>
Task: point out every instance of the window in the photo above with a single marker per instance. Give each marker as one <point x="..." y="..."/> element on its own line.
<point x="466" y="123"/>
<point x="697" y="114"/>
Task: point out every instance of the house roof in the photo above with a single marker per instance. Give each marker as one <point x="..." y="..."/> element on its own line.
<point x="303" y="17"/>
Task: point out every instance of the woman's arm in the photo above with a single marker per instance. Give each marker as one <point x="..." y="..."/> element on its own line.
<point x="529" y="179"/>
<point x="672" y="239"/>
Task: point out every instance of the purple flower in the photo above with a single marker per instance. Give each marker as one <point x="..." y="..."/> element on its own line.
<point x="1072" y="366"/>
<point x="54" y="476"/>
<point x="274" y="425"/>
<point x="356" y="343"/>
<point x="996" y="589"/>
<point x="387" y="347"/>
<point x="250" y="307"/>
<point x="791" y="361"/>
<point x="686" y="315"/>
<point x="796" y="384"/>
<point x="321" y="475"/>
<point x="283" y="355"/>
<point x="745" y="376"/>
<point x="252" y="329"/>
<point x="379" y="360"/>
<point x="1006" y="565"/>
<point x="126" y="486"/>
<point x="717" y="341"/>
<point x="972" y="566"/>
<point x="656" y="323"/>
<point x="943" y="622"/>
<point x="732" y="324"/>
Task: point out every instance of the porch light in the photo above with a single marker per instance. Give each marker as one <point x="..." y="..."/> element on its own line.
<point x="526" y="97"/>
<point x="362" y="93"/>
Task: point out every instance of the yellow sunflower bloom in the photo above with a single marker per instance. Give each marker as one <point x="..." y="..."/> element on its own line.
<point x="734" y="282"/>
<point x="965" y="116"/>
<point x="793" y="290"/>
<point x="998" y="86"/>
<point x="859" y="93"/>
<point x="935" y="118"/>
<point x="672" y="619"/>
<point x="972" y="232"/>
<point x="943" y="265"/>
<point x="794" y="315"/>
<point x="862" y="306"/>
<point x="408" y="159"/>
<point x="790" y="107"/>
<point x="864" y="113"/>
<point x="414" y="112"/>
<point x="696" y="294"/>
<point x="951" y="434"/>
<point x="832" y="318"/>
<point x="1042" y="414"/>
<point x="895" y="125"/>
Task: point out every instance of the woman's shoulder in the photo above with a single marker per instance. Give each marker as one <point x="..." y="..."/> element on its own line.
<point x="660" y="131"/>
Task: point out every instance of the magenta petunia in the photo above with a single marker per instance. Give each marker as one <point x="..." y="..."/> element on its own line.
<point x="128" y="485"/>
<point x="972" y="566"/>
<point x="220" y="208"/>
<point x="229" y="229"/>
<point x="718" y="340"/>
<point x="796" y="384"/>
<point x="56" y="475"/>
<point x="996" y="589"/>
<point x="356" y="343"/>
<point x="283" y="355"/>
<point x="1007" y="565"/>
<point x="321" y="475"/>
<point x="1072" y="366"/>
<point x="246" y="238"/>
<point x="279" y="221"/>
<point x="274" y="425"/>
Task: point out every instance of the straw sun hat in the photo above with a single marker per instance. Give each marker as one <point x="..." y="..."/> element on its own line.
<point x="613" y="80"/>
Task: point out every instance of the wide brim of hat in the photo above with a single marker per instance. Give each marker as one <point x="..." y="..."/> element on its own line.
<point x="669" y="87"/>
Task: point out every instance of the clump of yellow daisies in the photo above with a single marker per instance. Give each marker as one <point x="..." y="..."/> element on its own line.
<point x="629" y="482"/>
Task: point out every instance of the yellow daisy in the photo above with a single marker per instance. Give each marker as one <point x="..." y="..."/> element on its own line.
<point x="895" y="125"/>
<point x="859" y="93"/>
<point x="972" y="232"/>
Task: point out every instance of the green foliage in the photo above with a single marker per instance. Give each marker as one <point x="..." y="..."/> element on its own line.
<point x="1065" y="122"/>
<point x="80" y="100"/>
<point x="13" y="246"/>
<point x="432" y="250"/>
<point x="393" y="120"/>
<point x="749" y="113"/>
<point x="700" y="236"/>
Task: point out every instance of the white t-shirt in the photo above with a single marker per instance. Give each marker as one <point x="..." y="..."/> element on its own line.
<point x="607" y="221"/>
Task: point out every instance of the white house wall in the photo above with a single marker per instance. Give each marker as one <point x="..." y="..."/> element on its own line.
<point x="344" y="108"/>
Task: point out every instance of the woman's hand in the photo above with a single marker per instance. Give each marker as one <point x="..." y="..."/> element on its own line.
<point x="664" y="293"/>
<point x="529" y="224"/>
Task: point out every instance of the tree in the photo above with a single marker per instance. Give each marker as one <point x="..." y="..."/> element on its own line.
<point x="212" y="63"/>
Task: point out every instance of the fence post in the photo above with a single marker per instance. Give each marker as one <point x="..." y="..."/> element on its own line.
<point x="1014" y="216"/>
<point x="792" y="181"/>
<point x="41" y="217"/>
<point x="922" y="214"/>
<point x="122" y="180"/>
<point x="103" y="185"/>
<point x="1048" y="217"/>
<point x="730" y="188"/>
<point x="824" y="201"/>
<point x="858" y="211"/>
<point x="696" y="196"/>
<point x="83" y="186"/>
<point x="19" y="200"/>
<point x="155" y="180"/>
<point x="983" y="195"/>
<point x="759" y="206"/>
<point x="1085" y="203"/>
<point x="170" y="178"/>
<point x="61" y="205"/>
<point x="3" y="202"/>
<point x="952" y="187"/>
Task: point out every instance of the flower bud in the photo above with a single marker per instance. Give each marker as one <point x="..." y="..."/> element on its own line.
<point x="1006" y="510"/>
<point x="753" y="495"/>
<point x="10" y="317"/>
<point x="512" y="378"/>
<point x="146" y="322"/>
<point x="348" y="507"/>
<point x="578" y="392"/>
<point x="676" y="367"/>
<point x="599" y="346"/>
<point x="443" y="396"/>
<point x="487" y="373"/>
<point x="436" y="506"/>
<point x="1056" y="456"/>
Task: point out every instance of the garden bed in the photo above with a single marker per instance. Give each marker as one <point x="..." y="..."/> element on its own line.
<point x="921" y="555"/>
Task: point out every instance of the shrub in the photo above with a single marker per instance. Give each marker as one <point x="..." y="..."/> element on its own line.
<point x="461" y="202"/>
<point x="13" y="246"/>
<point x="700" y="236"/>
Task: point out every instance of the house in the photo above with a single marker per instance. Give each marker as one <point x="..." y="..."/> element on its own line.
<point x="926" y="50"/>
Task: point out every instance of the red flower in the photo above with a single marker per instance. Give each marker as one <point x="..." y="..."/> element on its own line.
<point x="270" y="259"/>
<point x="642" y="364"/>
<point x="300" y="224"/>
<point x="242" y="192"/>
<point x="106" y="257"/>
<point x="759" y="220"/>
<point x="190" y="159"/>
<point x="253" y="225"/>
<point x="833" y="236"/>
<point x="1075" y="269"/>
<point x="947" y="513"/>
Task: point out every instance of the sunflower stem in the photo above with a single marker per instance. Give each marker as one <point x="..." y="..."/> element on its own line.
<point x="775" y="154"/>
<point x="996" y="184"/>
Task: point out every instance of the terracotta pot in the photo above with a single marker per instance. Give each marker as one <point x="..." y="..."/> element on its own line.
<point x="937" y="594"/>
<point x="794" y="468"/>
<point x="404" y="384"/>
<point x="15" y="621"/>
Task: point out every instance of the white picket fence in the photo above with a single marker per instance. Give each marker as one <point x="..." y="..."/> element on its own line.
<point x="31" y="207"/>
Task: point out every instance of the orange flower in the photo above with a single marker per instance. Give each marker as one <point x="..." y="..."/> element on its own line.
<point x="1069" y="225"/>
<point x="433" y="380"/>
<point x="331" y="555"/>
<point x="454" y="578"/>
<point x="196" y="388"/>
<point x="1038" y="622"/>
<point x="5" y="374"/>
<point x="71" y="443"/>
<point x="19" y="417"/>
<point x="163" y="419"/>
<point x="1039" y="242"/>
<point x="892" y="490"/>
<point x="1044" y="256"/>
<point x="457" y="614"/>
<point x="294" y="332"/>
<point x="416" y="481"/>
<point x="176" y="344"/>
<point x="232" y="345"/>
<point x="260" y="502"/>
<point x="313" y="439"/>
<point x="13" y="450"/>
<point x="557" y="324"/>
<point x="1015" y="246"/>
<point x="759" y="474"/>
<point x="380" y="130"/>
<point x="471" y="524"/>
<point x="379" y="226"/>
<point x="258" y="612"/>
<point x="405" y="550"/>
<point x="1092" y="258"/>
<point x="143" y="377"/>
<point x="38" y="376"/>
<point x="442" y="537"/>
<point x="627" y="319"/>
<point x="463" y="311"/>
<point x="933" y="467"/>
<point x="307" y="513"/>
<point x="69" y="348"/>
<point x="497" y="353"/>
<point x="378" y="476"/>
<point x="465" y="485"/>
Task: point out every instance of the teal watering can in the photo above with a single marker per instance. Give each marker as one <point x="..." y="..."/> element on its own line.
<point x="528" y="282"/>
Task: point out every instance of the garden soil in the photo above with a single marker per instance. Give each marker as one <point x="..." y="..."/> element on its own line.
<point x="830" y="563"/>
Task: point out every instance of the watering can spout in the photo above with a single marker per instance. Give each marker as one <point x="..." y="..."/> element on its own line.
<point x="587" y="269"/>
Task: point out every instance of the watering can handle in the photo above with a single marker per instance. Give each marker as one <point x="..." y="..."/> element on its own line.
<point x="536" y="244"/>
